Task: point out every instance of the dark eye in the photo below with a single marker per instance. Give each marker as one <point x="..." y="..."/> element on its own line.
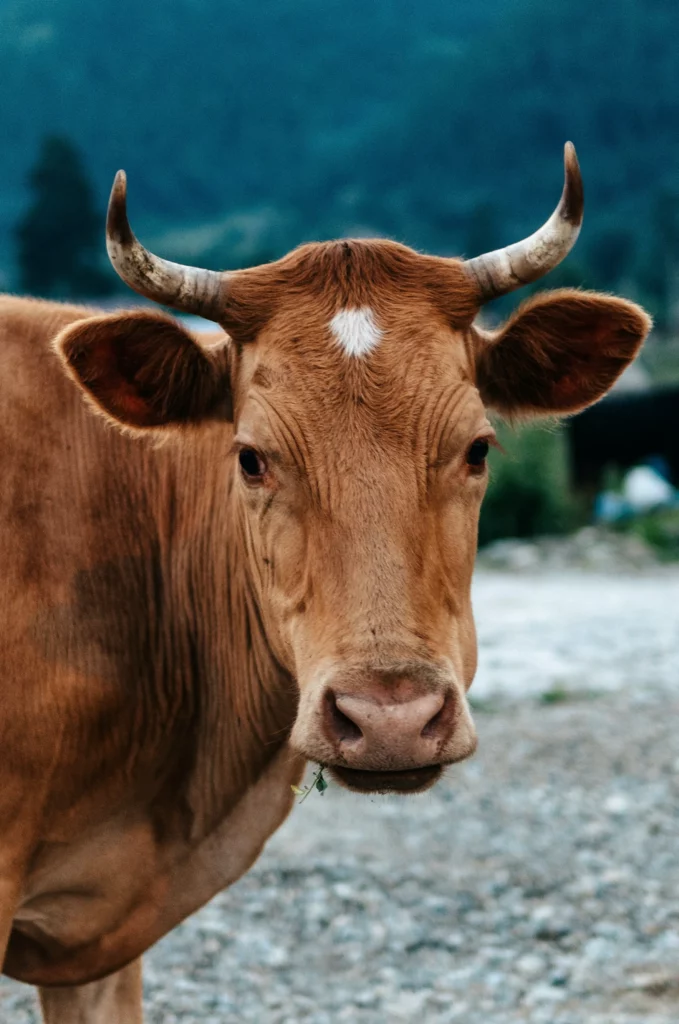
<point x="252" y="465"/>
<point x="477" y="454"/>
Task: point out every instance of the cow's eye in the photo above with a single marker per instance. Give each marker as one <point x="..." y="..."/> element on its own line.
<point x="477" y="454"/>
<point x="252" y="465"/>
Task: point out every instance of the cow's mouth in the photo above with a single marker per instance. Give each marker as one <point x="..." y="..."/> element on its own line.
<point x="410" y="780"/>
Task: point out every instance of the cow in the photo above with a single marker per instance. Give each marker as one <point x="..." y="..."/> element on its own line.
<point x="223" y="557"/>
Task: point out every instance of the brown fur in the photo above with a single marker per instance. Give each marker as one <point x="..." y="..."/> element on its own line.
<point x="348" y="273"/>
<point x="136" y="677"/>
<point x="559" y="352"/>
<point x="148" y="373"/>
<point x="173" y="638"/>
<point x="114" y="1000"/>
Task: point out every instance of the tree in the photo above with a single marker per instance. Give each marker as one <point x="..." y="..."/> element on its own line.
<point x="60" y="237"/>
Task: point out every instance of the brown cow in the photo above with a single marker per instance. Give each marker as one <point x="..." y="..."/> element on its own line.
<point x="279" y="572"/>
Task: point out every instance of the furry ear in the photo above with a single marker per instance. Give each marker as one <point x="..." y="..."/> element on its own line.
<point x="559" y="352"/>
<point x="144" y="370"/>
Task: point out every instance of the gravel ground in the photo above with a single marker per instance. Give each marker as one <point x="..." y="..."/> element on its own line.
<point x="536" y="883"/>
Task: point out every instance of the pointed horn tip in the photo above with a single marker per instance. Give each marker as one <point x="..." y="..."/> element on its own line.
<point x="117" y="226"/>
<point x="120" y="183"/>
<point x="573" y="198"/>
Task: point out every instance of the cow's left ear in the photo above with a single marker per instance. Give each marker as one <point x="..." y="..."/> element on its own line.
<point x="143" y="370"/>
<point x="559" y="352"/>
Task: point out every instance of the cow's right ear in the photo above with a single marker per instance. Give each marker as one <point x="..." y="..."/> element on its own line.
<point x="143" y="370"/>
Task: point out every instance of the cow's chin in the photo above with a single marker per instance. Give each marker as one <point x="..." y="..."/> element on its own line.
<point x="409" y="780"/>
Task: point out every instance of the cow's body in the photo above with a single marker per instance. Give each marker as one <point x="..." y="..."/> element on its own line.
<point x="271" y="562"/>
<point x="133" y="664"/>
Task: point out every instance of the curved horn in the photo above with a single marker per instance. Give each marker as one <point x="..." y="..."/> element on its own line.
<point x="496" y="273"/>
<point x="189" y="289"/>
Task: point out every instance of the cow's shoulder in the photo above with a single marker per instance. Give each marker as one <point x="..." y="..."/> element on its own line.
<point x="23" y="319"/>
<point x="33" y="387"/>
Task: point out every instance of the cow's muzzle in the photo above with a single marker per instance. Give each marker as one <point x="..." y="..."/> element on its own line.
<point x="385" y="730"/>
<point x="410" y="780"/>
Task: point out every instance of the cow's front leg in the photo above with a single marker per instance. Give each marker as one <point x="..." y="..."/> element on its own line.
<point x="10" y="889"/>
<point x="113" y="1000"/>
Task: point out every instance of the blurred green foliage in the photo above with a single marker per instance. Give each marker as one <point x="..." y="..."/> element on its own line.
<point x="249" y="128"/>
<point x="660" y="529"/>
<point x="528" y="493"/>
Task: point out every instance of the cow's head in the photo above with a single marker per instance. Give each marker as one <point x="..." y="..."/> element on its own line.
<point x="358" y="384"/>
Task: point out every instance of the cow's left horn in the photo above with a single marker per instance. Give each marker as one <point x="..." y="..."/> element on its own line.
<point x="496" y="273"/>
<point x="188" y="289"/>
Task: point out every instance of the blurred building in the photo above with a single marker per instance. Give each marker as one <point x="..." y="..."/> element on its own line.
<point x="637" y="423"/>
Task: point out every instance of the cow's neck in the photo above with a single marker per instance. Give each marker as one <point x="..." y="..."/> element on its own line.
<point x="244" y="702"/>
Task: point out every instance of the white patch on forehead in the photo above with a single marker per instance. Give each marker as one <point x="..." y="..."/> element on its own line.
<point x="356" y="331"/>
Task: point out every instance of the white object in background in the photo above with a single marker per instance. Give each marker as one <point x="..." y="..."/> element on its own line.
<point x="644" y="488"/>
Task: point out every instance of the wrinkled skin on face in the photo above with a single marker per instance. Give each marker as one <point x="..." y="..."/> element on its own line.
<point x="353" y="388"/>
<point x="363" y="530"/>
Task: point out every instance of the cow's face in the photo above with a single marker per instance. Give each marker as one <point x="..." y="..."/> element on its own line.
<point x="360" y="439"/>
<point x="357" y="385"/>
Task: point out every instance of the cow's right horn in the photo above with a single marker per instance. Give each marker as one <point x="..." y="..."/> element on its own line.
<point x="188" y="289"/>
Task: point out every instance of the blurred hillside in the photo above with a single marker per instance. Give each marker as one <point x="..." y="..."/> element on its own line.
<point x="246" y="129"/>
<point x="246" y="122"/>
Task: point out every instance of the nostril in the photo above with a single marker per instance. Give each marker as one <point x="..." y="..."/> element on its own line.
<point x="439" y="722"/>
<point x="342" y="727"/>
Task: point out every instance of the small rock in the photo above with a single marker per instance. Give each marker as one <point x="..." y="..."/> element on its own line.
<point x="617" y="804"/>
<point x="531" y="965"/>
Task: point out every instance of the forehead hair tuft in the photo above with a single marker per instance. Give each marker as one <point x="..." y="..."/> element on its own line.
<point x="352" y="274"/>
